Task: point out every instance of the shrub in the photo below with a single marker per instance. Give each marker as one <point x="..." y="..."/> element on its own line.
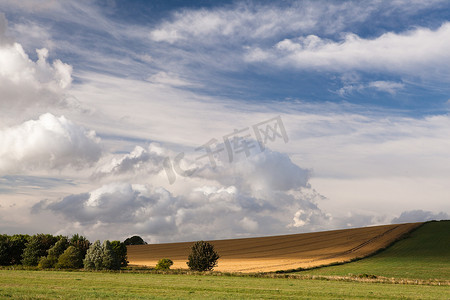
<point x="164" y="264"/>
<point x="203" y="257"/>
<point x="47" y="262"/>
<point x="70" y="259"/>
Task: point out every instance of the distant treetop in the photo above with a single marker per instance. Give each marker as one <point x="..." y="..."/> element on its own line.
<point x="135" y="240"/>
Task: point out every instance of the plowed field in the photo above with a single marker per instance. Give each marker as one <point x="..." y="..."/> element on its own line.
<point x="273" y="253"/>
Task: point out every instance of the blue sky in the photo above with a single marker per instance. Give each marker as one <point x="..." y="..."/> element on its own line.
<point x="97" y="95"/>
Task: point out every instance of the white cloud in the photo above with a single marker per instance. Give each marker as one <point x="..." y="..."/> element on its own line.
<point x="168" y="79"/>
<point x="140" y="160"/>
<point x="46" y="143"/>
<point x="161" y="216"/>
<point x="253" y="195"/>
<point x="382" y="86"/>
<point x="27" y="85"/>
<point x="386" y="86"/>
<point x="413" y="52"/>
<point x="247" y="22"/>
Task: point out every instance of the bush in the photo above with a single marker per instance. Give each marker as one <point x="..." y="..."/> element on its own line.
<point x="47" y="262"/>
<point x="70" y="259"/>
<point x="164" y="264"/>
<point x="203" y="257"/>
<point x="135" y="240"/>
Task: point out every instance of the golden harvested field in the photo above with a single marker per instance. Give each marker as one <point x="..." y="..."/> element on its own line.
<point x="282" y="252"/>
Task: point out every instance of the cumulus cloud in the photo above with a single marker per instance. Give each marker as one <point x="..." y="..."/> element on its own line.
<point x="26" y="84"/>
<point x="140" y="160"/>
<point x="204" y="212"/>
<point x="257" y="195"/>
<point x="261" y="171"/>
<point x="408" y="52"/>
<point x="420" y="216"/>
<point x="48" y="142"/>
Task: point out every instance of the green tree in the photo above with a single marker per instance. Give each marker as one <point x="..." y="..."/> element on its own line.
<point x="164" y="264"/>
<point x="16" y="247"/>
<point x="110" y="261"/>
<point x="94" y="257"/>
<point x="134" y="240"/>
<point x="5" y="258"/>
<point x="81" y="243"/>
<point x="54" y="253"/>
<point x="121" y="252"/>
<point x="203" y="257"/>
<point x="36" y="248"/>
<point x="11" y="248"/>
<point x="70" y="259"/>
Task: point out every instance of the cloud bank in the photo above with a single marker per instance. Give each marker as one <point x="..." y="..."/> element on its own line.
<point x="264" y="194"/>
<point x="420" y="216"/>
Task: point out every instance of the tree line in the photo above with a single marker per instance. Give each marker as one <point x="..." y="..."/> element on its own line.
<point x="48" y="251"/>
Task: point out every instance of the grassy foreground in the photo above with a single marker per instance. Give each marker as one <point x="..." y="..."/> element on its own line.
<point x="423" y="255"/>
<point x="21" y="284"/>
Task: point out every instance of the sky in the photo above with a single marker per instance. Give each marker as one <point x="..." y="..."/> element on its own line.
<point x="188" y="120"/>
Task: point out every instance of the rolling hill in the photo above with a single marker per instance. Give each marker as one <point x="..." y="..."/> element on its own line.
<point x="423" y="255"/>
<point x="273" y="253"/>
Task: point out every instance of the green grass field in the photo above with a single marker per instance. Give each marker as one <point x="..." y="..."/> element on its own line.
<point x="423" y="255"/>
<point x="22" y="284"/>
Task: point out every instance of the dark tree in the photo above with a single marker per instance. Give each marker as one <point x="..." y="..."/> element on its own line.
<point x="54" y="253"/>
<point x="11" y="248"/>
<point x="17" y="246"/>
<point x="110" y="261"/>
<point x="5" y="258"/>
<point x="203" y="257"/>
<point x="37" y="247"/>
<point x="81" y="243"/>
<point x="121" y="252"/>
<point x="134" y="240"/>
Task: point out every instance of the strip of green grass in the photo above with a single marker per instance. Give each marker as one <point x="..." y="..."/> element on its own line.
<point x="423" y="255"/>
<point x="89" y="285"/>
